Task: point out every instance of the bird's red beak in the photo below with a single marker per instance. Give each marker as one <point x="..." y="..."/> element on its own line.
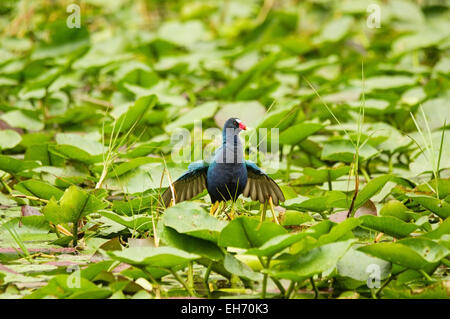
<point x="242" y="126"/>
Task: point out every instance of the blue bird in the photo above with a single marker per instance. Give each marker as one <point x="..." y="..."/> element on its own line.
<point x="227" y="176"/>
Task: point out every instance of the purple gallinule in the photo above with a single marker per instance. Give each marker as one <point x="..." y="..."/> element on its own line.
<point x="227" y="176"/>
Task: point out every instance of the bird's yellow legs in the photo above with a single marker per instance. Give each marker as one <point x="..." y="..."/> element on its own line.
<point x="274" y="216"/>
<point x="214" y="208"/>
<point x="232" y="211"/>
<point x="264" y="209"/>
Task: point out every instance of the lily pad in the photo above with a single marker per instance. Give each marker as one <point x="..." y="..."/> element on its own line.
<point x="439" y="207"/>
<point x="238" y="268"/>
<point x="389" y="225"/>
<point x="357" y="265"/>
<point x="344" y="151"/>
<point x="414" y="254"/>
<point x="74" y="204"/>
<point x="315" y="261"/>
<point x="190" y="219"/>
<point x="39" y="189"/>
<point x="190" y="244"/>
<point x="9" y="139"/>
<point x="295" y="134"/>
<point x="161" y="257"/>
<point x="245" y="232"/>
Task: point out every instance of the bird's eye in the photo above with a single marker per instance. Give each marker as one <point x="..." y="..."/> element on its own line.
<point x="235" y="123"/>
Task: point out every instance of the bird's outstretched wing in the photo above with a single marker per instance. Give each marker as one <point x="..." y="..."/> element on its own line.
<point x="260" y="186"/>
<point x="190" y="184"/>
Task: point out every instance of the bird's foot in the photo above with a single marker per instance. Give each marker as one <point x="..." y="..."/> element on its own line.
<point x="232" y="211"/>
<point x="274" y="216"/>
<point x="263" y="210"/>
<point x="214" y="208"/>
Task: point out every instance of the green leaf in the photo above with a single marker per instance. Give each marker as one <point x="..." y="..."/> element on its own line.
<point x="297" y="133"/>
<point x="294" y="218"/>
<point x="437" y="206"/>
<point x="436" y="112"/>
<point x="19" y="119"/>
<point x="409" y="256"/>
<point x="355" y="264"/>
<point x="442" y="230"/>
<point x="429" y="250"/>
<point x="57" y="214"/>
<point x="14" y="166"/>
<point x="60" y="286"/>
<point x="389" y="225"/>
<point x="413" y="96"/>
<point x="198" y="113"/>
<point x="74" y="204"/>
<point x="78" y="147"/>
<point x="136" y="73"/>
<point x="39" y="189"/>
<point x="425" y="37"/>
<point x="91" y="271"/>
<point x="29" y="228"/>
<point x="340" y="230"/>
<point x="130" y="165"/>
<point x="315" y="261"/>
<point x="138" y="222"/>
<point x="62" y="40"/>
<point x="133" y="206"/>
<point x="395" y="208"/>
<point x="308" y="65"/>
<point x="41" y="152"/>
<point x="319" y="203"/>
<point x="161" y="257"/>
<point x="75" y="153"/>
<point x="183" y="33"/>
<point x="139" y="180"/>
<point x="443" y="66"/>
<point x="277" y="244"/>
<point x="438" y="290"/>
<point x="281" y="118"/>
<point x="312" y="176"/>
<point x="335" y="30"/>
<point x="82" y="142"/>
<point x="344" y="151"/>
<point x="81" y="201"/>
<point x="424" y="162"/>
<point x="245" y="232"/>
<point x="373" y="107"/>
<point x="9" y="139"/>
<point x="63" y="176"/>
<point x="188" y="243"/>
<point x="238" y="268"/>
<point x="314" y="232"/>
<point x="134" y="114"/>
<point x="386" y="82"/>
<point x="239" y="83"/>
<point x="190" y="219"/>
<point x="372" y="188"/>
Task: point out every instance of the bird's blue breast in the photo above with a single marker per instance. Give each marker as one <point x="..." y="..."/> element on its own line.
<point x="226" y="181"/>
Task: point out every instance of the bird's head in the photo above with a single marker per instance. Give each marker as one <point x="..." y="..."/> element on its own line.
<point x="234" y="124"/>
